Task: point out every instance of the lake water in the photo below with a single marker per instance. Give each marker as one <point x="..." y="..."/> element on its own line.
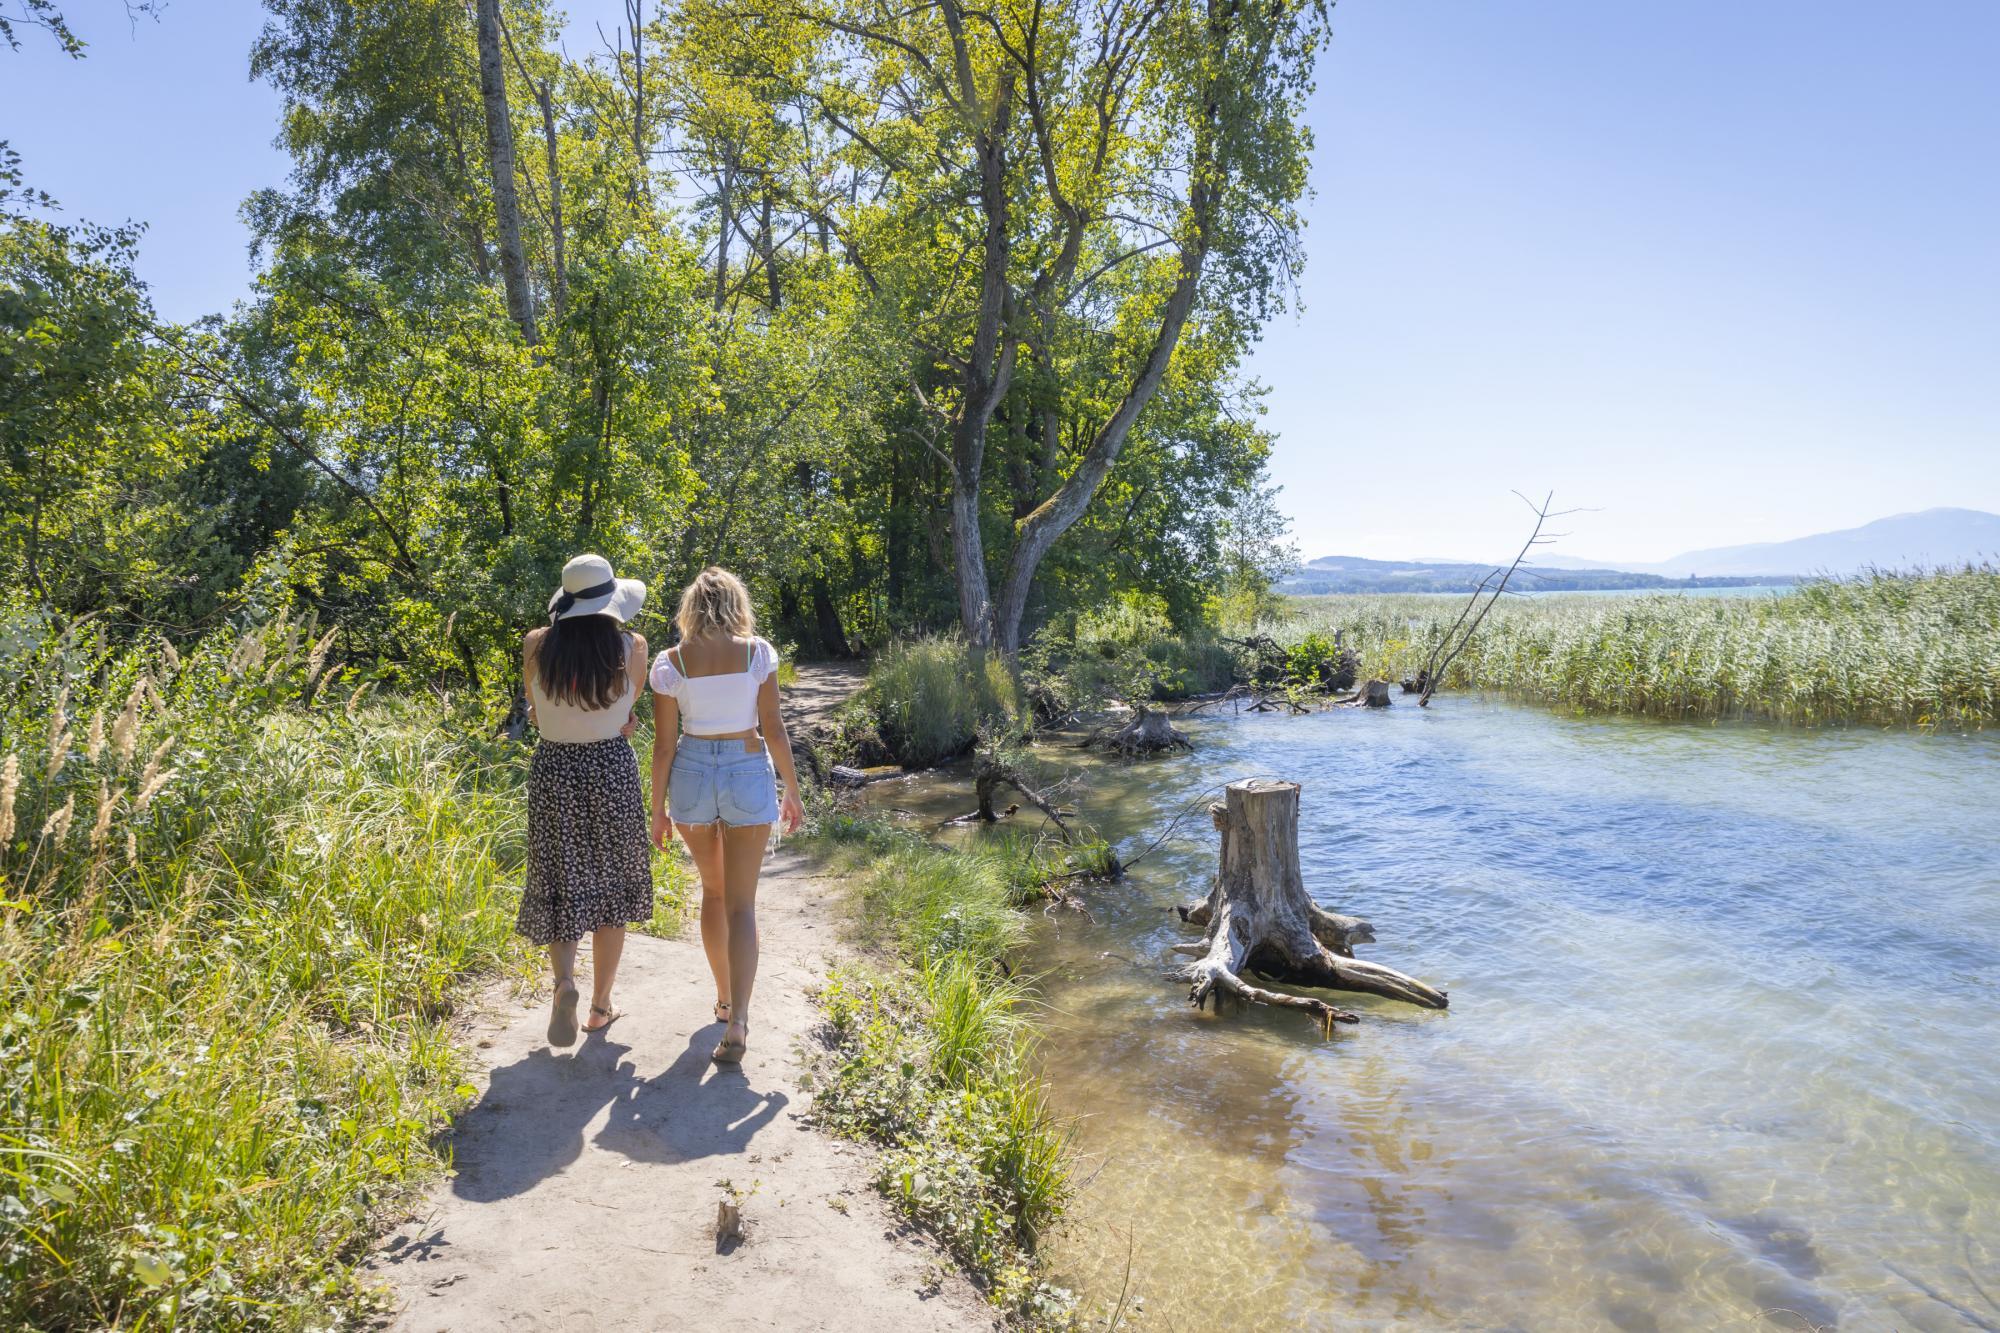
<point x="1723" y="1050"/>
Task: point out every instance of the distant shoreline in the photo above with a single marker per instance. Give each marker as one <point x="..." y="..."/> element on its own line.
<point x="1383" y="576"/>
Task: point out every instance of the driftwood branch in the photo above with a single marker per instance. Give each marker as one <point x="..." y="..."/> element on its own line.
<point x="1447" y="649"/>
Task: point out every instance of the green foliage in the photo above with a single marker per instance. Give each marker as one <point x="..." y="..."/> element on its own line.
<point x="931" y="697"/>
<point x="1126" y="650"/>
<point x="934" y="1060"/>
<point x="1912" y="649"/>
<point x="239" y="908"/>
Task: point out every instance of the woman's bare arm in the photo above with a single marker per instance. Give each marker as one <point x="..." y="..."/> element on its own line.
<point x="530" y="642"/>
<point x="771" y="721"/>
<point x="666" y="739"/>
<point x="635" y="672"/>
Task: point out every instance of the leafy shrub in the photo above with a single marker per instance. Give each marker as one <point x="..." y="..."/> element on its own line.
<point x="1128" y="650"/>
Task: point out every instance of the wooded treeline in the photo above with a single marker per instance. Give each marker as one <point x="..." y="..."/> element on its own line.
<point x="920" y="317"/>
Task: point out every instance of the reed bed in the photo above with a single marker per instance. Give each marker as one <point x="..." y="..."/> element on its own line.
<point x="240" y="903"/>
<point x="1908" y="649"/>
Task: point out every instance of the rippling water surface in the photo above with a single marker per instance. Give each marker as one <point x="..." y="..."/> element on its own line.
<point x="1723" y="1050"/>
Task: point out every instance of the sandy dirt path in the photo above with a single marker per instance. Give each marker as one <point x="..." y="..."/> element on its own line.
<point x="586" y="1180"/>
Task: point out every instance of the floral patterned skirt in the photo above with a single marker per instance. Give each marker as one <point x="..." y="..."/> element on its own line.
<point x="589" y="864"/>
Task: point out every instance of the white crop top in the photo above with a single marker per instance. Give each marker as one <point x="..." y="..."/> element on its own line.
<point x="720" y="704"/>
<point x="573" y="724"/>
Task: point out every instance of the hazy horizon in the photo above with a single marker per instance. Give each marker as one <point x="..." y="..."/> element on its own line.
<point x="1721" y="274"/>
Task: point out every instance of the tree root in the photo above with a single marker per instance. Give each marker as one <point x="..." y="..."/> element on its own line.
<point x="1258" y="920"/>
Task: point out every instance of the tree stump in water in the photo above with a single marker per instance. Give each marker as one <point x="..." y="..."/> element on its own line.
<point x="1149" y="732"/>
<point x="1374" y="694"/>
<point x="1259" y="919"/>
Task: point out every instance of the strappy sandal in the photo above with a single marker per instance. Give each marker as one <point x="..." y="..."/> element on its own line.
<point x="562" y="1017"/>
<point x="730" y="1052"/>
<point x="610" y="1016"/>
<point x="721" y="1011"/>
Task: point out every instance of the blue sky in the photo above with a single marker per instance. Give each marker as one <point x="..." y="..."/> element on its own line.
<point x="1721" y="271"/>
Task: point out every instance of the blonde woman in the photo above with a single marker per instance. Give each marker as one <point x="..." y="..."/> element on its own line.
<point x="716" y="736"/>
<point x="589" y="872"/>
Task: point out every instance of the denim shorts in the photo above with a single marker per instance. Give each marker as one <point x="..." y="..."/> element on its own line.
<point x="715" y="780"/>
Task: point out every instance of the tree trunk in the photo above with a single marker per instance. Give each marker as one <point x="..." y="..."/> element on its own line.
<point x="724" y="200"/>
<point x="500" y="160"/>
<point x="1259" y="919"/>
<point x="1372" y="694"/>
<point x="826" y="621"/>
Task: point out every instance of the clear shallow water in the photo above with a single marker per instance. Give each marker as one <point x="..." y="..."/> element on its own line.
<point x="1724" y="1045"/>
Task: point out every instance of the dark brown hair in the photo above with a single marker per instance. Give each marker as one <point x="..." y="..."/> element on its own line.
<point x="581" y="660"/>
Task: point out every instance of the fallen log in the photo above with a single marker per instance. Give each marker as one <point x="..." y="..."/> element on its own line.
<point x="1259" y="921"/>
<point x="844" y="775"/>
<point x="995" y="774"/>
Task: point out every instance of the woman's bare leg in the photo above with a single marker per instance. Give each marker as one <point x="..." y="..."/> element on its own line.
<point x="562" y="1010"/>
<point x="742" y="861"/>
<point x="607" y="943"/>
<point x="706" y="848"/>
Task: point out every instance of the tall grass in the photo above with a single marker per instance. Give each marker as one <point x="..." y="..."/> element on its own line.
<point x="239" y="907"/>
<point x="1902" y="649"/>
<point x="931" y="697"/>
<point x="934" y="1060"/>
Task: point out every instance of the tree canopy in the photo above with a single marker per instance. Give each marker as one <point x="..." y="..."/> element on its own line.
<point x="918" y="318"/>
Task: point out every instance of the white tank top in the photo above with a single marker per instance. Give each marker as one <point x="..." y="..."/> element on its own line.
<point x="573" y="724"/>
<point x="720" y="704"/>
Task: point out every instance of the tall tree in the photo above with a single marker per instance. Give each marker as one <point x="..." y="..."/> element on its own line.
<point x="1054" y="197"/>
<point x="500" y="164"/>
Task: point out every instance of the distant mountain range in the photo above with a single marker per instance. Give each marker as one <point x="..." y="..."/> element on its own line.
<point x="1933" y="537"/>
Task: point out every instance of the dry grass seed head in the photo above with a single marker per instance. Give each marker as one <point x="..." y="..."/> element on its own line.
<point x="56" y="827"/>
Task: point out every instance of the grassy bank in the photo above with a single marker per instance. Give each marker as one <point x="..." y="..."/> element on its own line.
<point x="931" y="700"/>
<point x="235" y="929"/>
<point x="241" y="903"/>
<point x="1920" y="650"/>
<point x="932" y="1057"/>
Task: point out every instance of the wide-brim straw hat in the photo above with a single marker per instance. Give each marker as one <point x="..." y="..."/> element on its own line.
<point x="590" y="589"/>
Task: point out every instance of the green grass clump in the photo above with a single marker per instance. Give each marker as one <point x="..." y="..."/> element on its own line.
<point x="1917" y="649"/>
<point x="932" y="1057"/>
<point x="940" y="903"/>
<point x="1127" y="650"/>
<point x="239" y="907"/>
<point x="931" y="697"/>
<point x="936" y="1068"/>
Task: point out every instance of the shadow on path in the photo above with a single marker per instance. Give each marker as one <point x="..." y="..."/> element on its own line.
<point x="693" y="1109"/>
<point x="530" y="1124"/>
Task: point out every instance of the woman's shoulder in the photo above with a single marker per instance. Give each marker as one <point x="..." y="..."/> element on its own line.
<point x="664" y="675"/>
